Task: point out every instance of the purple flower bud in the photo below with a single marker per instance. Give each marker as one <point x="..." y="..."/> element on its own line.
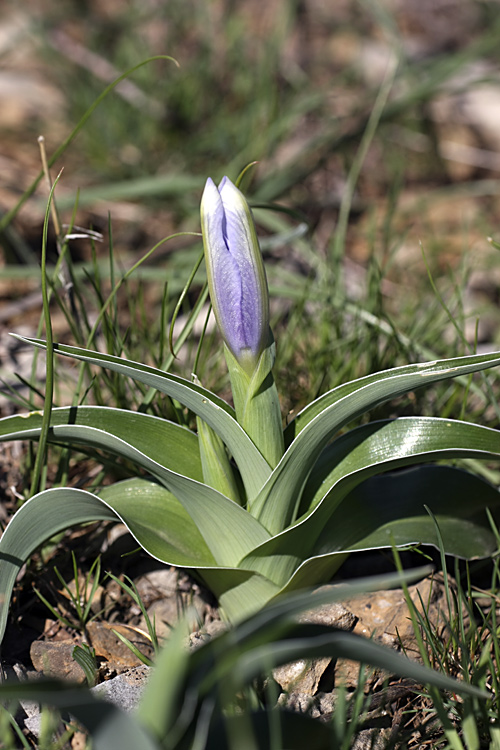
<point x="235" y="270"/>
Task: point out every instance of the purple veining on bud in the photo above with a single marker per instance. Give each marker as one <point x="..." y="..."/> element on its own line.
<point x="235" y="269"/>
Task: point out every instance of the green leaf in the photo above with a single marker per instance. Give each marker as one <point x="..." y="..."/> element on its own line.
<point x="355" y="456"/>
<point x="159" y="522"/>
<point x="72" y="426"/>
<point x="218" y="471"/>
<point x="193" y="679"/>
<point x="292" y="731"/>
<point x="40" y="518"/>
<point x="242" y="592"/>
<point x="394" y="444"/>
<point x="213" y="410"/>
<point x="169" y="444"/>
<point x="133" y="648"/>
<point x="85" y="657"/>
<point x="256" y="401"/>
<point x="283" y="611"/>
<point x="163" y="691"/>
<point x="277" y="504"/>
<point x="239" y="592"/>
<point x="389" y="509"/>
<point x="420" y="374"/>
<point x="389" y="444"/>
<point x="153" y="515"/>
<point x="207" y="507"/>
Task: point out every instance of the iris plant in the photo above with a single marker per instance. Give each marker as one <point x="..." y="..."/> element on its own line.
<point x="256" y="509"/>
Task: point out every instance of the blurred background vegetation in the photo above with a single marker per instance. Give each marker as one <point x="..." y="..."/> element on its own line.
<point x="374" y="124"/>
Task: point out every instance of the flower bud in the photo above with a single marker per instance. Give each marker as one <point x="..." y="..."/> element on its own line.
<point x="235" y="271"/>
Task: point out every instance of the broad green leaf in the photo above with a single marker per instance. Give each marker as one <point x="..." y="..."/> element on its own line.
<point x="391" y="506"/>
<point x="207" y="507"/>
<point x="186" y="680"/>
<point x="277" y="504"/>
<point x="361" y="453"/>
<point x="40" y="518"/>
<point x="389" y="509"/>
<point x="167" y="443"/>
<point x="239" y="592"/>
<point x="272" y="728"/>
<point x="254" y="469"/>
<point x="162" y="527"/>
<point x="159" y="522"/>
<point x="151" y="513"/>
<point x="195" y="676"/>
<point x="256" y="401"/>
<point x="393" y="443"/>
<point x="242" y="593"/>
<point x="421" y="375"/>
<point x="217" y="469"/>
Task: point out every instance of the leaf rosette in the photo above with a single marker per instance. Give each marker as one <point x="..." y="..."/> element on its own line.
<point x="257" y="510"/>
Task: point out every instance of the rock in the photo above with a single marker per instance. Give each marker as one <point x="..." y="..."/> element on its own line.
<point x="166" y="602"/>
<point x="210" y="630"/>
<point x="124" y="690"/>
<point x="157" y="584"/>
<point x="301" y="677"/>
<point x="382" y="614"/>
<point x="335" y="615"/>
<point x="28" y="711"/>
<point x="108" y="645"/>
<point x="55" y="659"/>
<point x="299" y="702"/>
<point x="371" y="739"/>
<point x="32" y="723"/>
<point x="167" y="612"/>
<point x="385" y="613"/>
<point x="323" y="707"/>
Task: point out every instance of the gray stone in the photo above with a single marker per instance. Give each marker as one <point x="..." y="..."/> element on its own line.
<point x="333" y="615"/>
<point x="210" y="630"/>
<point x="371" y="739"/>
<point x="125" y="690"/>
<point x="301" y="676"/>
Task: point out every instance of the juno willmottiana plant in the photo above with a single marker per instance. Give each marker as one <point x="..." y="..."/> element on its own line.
<point x="257" y="510"/>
